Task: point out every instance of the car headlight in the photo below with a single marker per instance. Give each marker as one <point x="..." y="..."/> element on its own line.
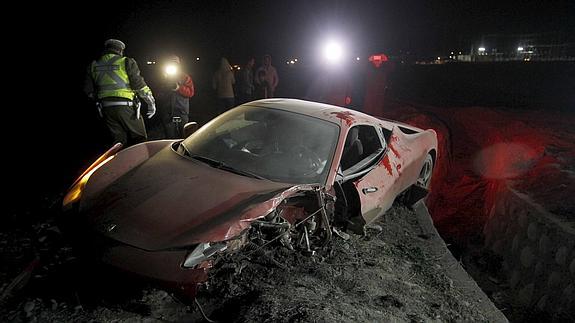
<point x="75" y="191"/>
<point x="202" y="252"/>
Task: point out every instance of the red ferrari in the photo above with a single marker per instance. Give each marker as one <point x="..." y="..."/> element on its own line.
<point x="270" y="171"/>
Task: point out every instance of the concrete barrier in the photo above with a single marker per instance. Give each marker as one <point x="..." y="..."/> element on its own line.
<point x="538" y="249"/>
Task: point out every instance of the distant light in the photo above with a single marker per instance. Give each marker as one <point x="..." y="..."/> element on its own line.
<point x="333" y="52"/>
<point x="481" y="49"/>
<point x="357" y="58"/>
<point x="197" y="58"/>
<point x="459" y="53"/>
<point x="295" y="59"/>
<point x="287" y="62"/>
<point x="377" y="60"/>
<point x="171" y="69"/>
<point x="149" y="62"/>
<point x="451" y="53"/>
<point x="292" y="62"/>
<point x="519" y="49"/>
<point x="438" y="58"/>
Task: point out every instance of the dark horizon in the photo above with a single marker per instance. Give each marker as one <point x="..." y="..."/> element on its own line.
<point x="251" y="28"/>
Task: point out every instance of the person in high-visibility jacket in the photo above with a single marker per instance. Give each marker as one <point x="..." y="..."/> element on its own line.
<point x="114" y="81"/>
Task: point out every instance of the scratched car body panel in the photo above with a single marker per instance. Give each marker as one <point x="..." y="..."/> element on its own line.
<point x="277" y="170"/>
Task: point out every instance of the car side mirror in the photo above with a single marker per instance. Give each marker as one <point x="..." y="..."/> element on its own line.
<point x="190" y="128"/>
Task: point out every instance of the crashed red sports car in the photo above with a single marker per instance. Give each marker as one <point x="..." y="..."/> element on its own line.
<point x="270" y="171"/>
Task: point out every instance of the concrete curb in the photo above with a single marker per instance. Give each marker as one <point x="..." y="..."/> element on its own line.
<point x="461" y="279"/>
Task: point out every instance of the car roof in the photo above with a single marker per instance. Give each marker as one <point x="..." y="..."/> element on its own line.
<point x="328" y="112"/>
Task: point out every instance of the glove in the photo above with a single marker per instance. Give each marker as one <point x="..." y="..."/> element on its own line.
<point x="151" y="111"/>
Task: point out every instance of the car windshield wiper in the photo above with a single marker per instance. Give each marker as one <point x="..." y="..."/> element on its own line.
<point x="221" y="165"/>
<point x="229" y="168"/>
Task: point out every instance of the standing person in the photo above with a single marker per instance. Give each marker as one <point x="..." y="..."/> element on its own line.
<point x="262" y="87"/>
<point x="377" y="83"/>
<point x="174" y="98"/>
<point x="223" y="82"/>
<point x="246" y="82"/>
<point x="114" y="81"/>
<point x="271" y="75"/>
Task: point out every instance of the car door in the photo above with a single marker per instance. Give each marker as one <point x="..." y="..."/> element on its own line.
<point x="374" y="173"/>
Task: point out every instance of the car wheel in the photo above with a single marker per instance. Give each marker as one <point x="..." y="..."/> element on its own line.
<point x="424" y="178"/>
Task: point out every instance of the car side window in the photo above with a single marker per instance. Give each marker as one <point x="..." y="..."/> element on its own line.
<point x="362" y="143"/>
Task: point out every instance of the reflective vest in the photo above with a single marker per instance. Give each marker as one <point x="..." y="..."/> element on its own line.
<point x="110" y="76"/>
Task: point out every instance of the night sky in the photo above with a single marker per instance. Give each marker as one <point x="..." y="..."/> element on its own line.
<point x="293" y="28"/>
<point x="52" y="43"/>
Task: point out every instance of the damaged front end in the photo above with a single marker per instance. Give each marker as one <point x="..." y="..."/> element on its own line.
<point x="300" y="220"/>
<point x="295" y="219"/>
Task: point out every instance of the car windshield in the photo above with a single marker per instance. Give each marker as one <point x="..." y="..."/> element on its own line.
<point x="274" y="144"/>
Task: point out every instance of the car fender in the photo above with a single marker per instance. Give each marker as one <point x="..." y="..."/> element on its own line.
<point x="124" y="161"/>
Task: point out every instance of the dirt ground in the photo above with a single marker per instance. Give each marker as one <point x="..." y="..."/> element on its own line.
<point x="395" y="273"/>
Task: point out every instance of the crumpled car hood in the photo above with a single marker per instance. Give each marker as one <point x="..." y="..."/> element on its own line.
<point x="170" y="202"/>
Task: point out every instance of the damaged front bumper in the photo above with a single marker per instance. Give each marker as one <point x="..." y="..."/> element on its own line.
<point x="161" y="267"/>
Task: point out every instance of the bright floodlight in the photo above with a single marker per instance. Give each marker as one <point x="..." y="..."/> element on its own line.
<point x="519" y="49"/>
<point x="171" y="70"/>
<point x="481" y="49"/>
<point x="333" y="52"/>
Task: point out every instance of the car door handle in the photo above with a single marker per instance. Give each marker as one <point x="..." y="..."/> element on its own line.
<point x="369" y="190"/>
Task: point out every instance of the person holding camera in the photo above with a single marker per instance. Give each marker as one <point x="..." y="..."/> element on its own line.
<point x="174" y="98"/>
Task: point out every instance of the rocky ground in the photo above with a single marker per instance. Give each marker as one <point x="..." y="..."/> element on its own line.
<point x="396" y="273"/>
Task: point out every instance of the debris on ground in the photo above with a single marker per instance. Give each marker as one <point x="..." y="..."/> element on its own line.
<point x="391" y="273"/>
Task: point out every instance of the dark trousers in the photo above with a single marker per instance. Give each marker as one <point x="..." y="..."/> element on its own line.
<point x="124" y="126"/>
<point x="244" y="97"/>
<point x="174" y="129"/>
<point x="226" y="104"/>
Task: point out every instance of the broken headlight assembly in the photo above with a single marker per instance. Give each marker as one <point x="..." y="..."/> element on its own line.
<point x="203" y="252"/>
<point x="206" y="250"/>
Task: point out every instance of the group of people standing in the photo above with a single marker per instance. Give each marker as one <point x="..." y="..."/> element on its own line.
<point x="115" y="84"/>
<point x="251" y="85"/>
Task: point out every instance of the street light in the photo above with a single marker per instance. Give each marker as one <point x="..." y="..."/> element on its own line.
<point x="333" y="52"/>
<point x="171" y="70"/>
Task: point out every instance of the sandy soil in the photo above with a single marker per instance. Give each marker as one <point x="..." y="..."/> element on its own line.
<point x="394" y="273"/>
